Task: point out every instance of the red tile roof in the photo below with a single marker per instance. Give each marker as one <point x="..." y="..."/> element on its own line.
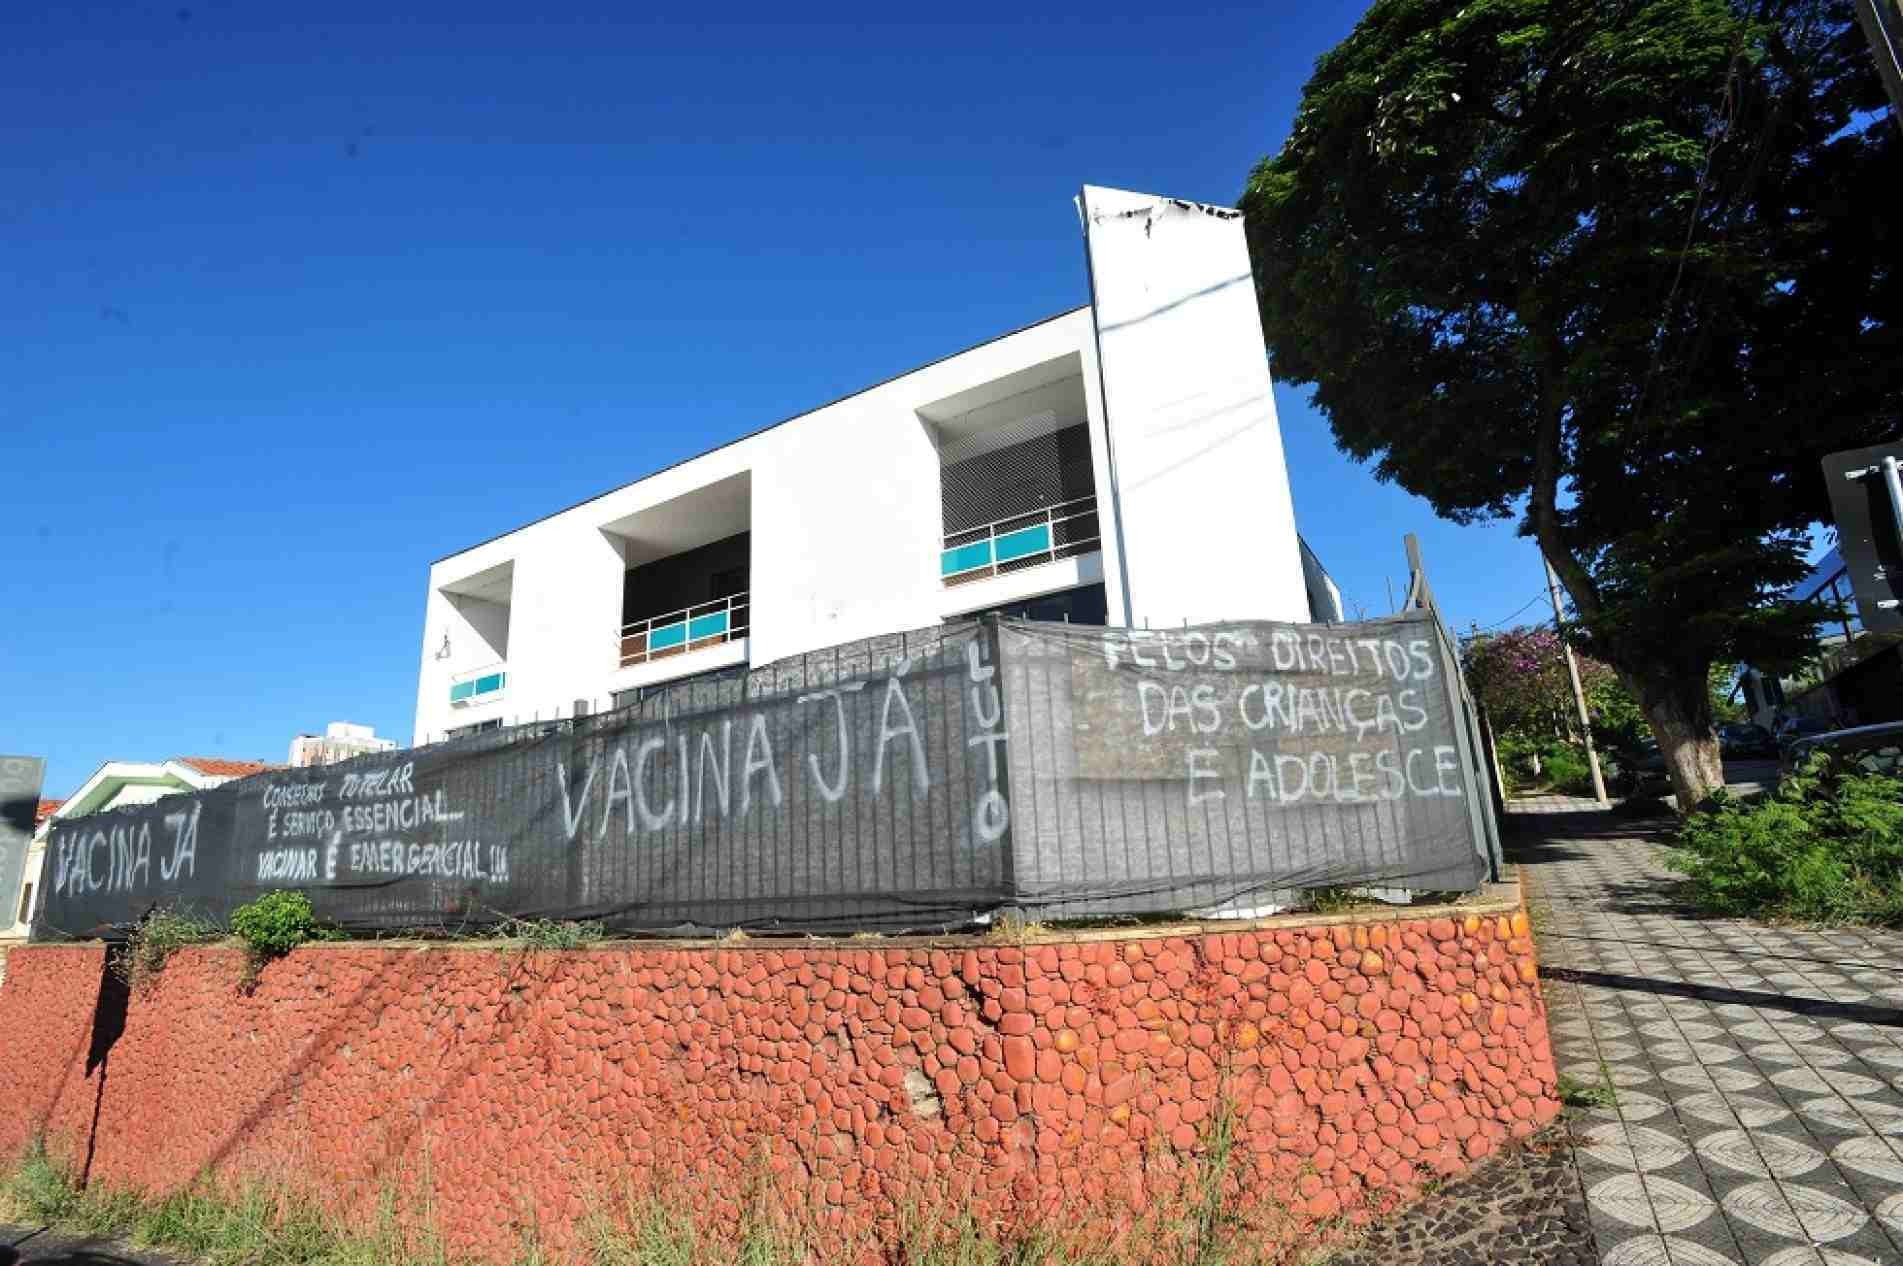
<point x="220" y="767"/>
<point x="46" y="809"/>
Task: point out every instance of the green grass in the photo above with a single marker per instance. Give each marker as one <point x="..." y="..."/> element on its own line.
<point x="1214" y="1229"/>
<point x="1539" y="916"/>
<point x="659" y="1234"/>
<point x="257" y="1226"/>
<point x="263" y="1226"/>
<point x="38" y="1190"/>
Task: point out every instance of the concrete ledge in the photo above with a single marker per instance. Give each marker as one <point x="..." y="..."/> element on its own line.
<point x="1489" y="901"/>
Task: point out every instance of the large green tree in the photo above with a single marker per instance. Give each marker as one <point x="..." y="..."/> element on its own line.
<point x="1623" y="271"/>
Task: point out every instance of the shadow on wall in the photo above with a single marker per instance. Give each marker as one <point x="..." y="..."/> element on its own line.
<point x="108" y="1026"/>
<point x="384" y="1156"/>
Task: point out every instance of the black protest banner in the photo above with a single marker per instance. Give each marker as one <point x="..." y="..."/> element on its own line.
<point x="1225" y="767"/>
<point x="916" y="781"/>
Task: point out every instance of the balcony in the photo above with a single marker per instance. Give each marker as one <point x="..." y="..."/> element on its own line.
<point x="681" y="632"/>
<point x="478" y="685"/>
<point x="1066" y="529"/>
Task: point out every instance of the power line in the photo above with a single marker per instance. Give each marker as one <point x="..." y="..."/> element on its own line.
<point x="1497" y="623"/>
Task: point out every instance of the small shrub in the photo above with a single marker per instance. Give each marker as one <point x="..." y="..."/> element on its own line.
<point x="140" y="960"/>
<point x="1568" y="772"/>
<point x="1562" y="766"/>
<point x="1827" y="846"/>
<point x="273" y="926"/>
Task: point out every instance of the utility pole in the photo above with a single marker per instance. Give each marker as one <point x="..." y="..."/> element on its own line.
<point x="1883" y="26"/>
<point x="1572" y="673"/>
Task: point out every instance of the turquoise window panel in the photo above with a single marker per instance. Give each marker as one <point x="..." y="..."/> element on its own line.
<point x="461" y="690"/>
<point x="965" y="558"/>
<point x="1025" y="541"/>
<point x="668" y="635"/>
<point x="490" y="684"/>
<point x="707" y="626"/>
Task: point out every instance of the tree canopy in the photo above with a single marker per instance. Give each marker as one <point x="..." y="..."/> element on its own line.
<point x="1625" y="270"/>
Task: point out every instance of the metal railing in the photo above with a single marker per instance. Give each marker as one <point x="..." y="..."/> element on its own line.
<point x="1045" y="535"/>
<point x="478" y="685"/>
<point x="690" y="629"/>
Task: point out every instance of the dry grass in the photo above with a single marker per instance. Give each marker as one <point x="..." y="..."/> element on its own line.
<point x="1216" y="1222"/>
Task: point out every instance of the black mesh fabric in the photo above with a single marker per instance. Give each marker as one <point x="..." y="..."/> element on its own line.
<point x="914" y="781"/>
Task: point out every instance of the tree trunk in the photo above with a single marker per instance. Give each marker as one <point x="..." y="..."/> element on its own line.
<point x="1679" y="711"/>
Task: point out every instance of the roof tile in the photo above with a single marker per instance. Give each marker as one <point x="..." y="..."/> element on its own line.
<point x="222" y="767"/>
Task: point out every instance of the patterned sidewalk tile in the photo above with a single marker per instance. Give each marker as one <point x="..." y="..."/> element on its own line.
<point x="1758" y="1071"/>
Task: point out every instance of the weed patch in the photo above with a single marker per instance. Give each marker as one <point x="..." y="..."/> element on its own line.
<point x="1579" y="1095"/>
<point x="142" y="957"/>
<point x="258" y="1226"/>
<point x="1211" y="1225"/>
<point x="551" y="934"/>
<point x="37" y="1190"/>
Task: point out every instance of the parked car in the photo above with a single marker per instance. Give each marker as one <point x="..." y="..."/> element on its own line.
<point x="1640" y="770"/>
<point x="1802" y="728"/>
<point x="1642" y="767"/>
<point x="1742" y="740"/>
<point x="1874" y="749"/>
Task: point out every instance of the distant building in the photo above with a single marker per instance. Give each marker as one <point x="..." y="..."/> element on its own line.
<point x="1856" y="677"/>
<point x="115" y="783"/>
<point x="340" y="741"/>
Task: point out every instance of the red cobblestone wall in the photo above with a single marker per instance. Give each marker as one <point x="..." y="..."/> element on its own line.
<point x="1359" y="1060"/>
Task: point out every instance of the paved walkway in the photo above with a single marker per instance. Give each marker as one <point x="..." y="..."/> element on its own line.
<point x="1755" y="1068"/>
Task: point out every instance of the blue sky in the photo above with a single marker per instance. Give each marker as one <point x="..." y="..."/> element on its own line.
<point x="293" y="308"/>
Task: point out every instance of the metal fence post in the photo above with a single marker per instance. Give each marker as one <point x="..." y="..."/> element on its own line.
<point x="990" y="634"/>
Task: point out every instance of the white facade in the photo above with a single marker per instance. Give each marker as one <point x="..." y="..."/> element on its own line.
<point x="340" y="741"/>
<point x="848" y="517"/>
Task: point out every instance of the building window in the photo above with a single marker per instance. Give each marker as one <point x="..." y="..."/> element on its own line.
<point x="480" y="727"/>
<point x="686" y="601"/>
<point x="468" y="687"/>
<point x="1011" y="505"/>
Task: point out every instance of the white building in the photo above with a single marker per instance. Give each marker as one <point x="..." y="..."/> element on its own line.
<point x="1119" y="463"/>
<point x="340" y="741"/>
